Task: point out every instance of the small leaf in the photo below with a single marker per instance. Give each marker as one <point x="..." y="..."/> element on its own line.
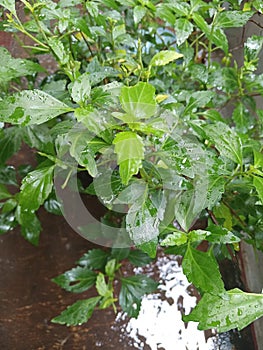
<point x="10" y="142"/>
<point x="132" y="290"/>
<point x="241" y="117"/>
<point x="101" y="285"/>
<point x="8" y="175"/>
<point x="76" y="280"/>
<point x="234" y="309"/>
<point x="111" y="267"/>
<point x="7" y="222"/>
<point x="31" y="107"/>
<point x="175" y="238"/>
<point x="77" y="313"/>
<point x="36" y="187"/>
<point x="139" y="258"/>
<point x="4" y="193"/>
<point x="183" y="29"/>
<point x="95" y="259"/>
<point x="9" y="5"/>
<point x="138" y="101"/>
<point x="81" y="88"/>
<point x="258" y="183"/>
<point x="138" y="13"/>
<point x="219" y="234"/>
<point x="202" y="270"/>
<point x="130" y="152"/>
<point x="150" y="247"/>
<point x="164" y="57"/>
<point x="30" y="225"/>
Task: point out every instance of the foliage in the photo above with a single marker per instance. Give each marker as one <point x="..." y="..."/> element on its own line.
<point x="136" y="105"/>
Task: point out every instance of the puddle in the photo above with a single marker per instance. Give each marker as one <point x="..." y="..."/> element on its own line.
<point x="159" y="325"/>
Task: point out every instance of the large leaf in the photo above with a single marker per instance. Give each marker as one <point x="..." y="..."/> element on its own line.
<point x="132" y="290"/>
<point x="31" y="107"/>
<point x="77" y="313"/>
<point x="36" y="187"/>
<point x="76" y="280"/>
<point x="234" y="309"/>
<point x="95" y="259"/>
<point x="12" y="68"/>
<point x="138" y="101"/>
<point x="130" y="152"/>
<point x="10" y="142"/>
<point x="202" y="270"/>
<point x="258" y="183"/>
<point x="226" y="141"/>
<point x="233" y="19"/>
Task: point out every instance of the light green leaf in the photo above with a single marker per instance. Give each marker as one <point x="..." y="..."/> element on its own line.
<point x="242" y="118"/>
<point x="12" y="68"/>
<point x="76" y="280"/>
<point x="118" y="31"/>
<point x="81" y="88"/>
<point x="10" y="5"/>
<point x="183" y="28"/>
<point x="138" y="13"/>
<point x="175" y="238"/>
<point x="233" y="19"/>
<point x="219" y="234"/>
<point x="218" y="37"/>
<point x="59" y="50"/>
<point x="202" y="270"/>
<point x="4" y="193"/>
<point x="138" y="101"/>
<point x="31" y="107"/>
<point x="129" y="148"/>
<point x="101" y="286"/>
<point x="258" y="183"/>
<point x="36" y="187"/>
<point x="234" y="309"/>
<point x="226" y="141"/>
<point x="150" y="247"/>
<point x="111" y="267"/>
<point x="132" y="290"/>
<point x="164" y="57"/>
<point x="77" y="313"/>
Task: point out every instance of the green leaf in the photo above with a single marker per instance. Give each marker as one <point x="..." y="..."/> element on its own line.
<point x="95" y="259"/>
<point x="226" y="141"/>
<point x="258" y="183"/>
<point x="38" y="136"/>
<point x="164" y="57"/>
<point x="10" y="142"/>
<point x="53" y="205"/>
<point x="7" y="222"/>
<point x="175" y="238"/>
<point x="36" y="187"/>
<point x="132" y="290"/>
<point x="219" y="234"/>
<point x="233" y="19"/>
<point x="59" y="50"/>
<point x="111" y="267"/>
<point x="76" y="280"/>
<point x="31" y="107"/>
<point x="129" y="148"/>
<point x="150" y="247"/>
<point x="9" y="5"/>
<point x="8" y="175"/>
<point x="77" y="313"/>
<point x="138" y="101"/>
<point x="4" y="193"/>
<point x="81" y="88"/>
<point x="138" y="13"/>
<point x="9" y="205"/>
<point x="101" y="285"/>
<point x="234" y="309"/>
<point x="241" y="117"/>
<point x="12" y="68"/>
<point x="81" y="150"/>
<point x="218" y="37"/>
<point x="183" y="28"/>
<point x="202" y="270"/>
<point x="139" y="258"/>
<point x="30" y="225"/>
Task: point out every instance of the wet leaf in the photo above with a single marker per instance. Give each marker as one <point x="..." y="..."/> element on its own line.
<point x="7" y="222"/>
<point x="77" y="313"/>
<point x="183" y="28"/>
<point x="164" y="57"/>
<point x="132" y="290"/>
<point x="130" y="152"/>
<point x="10" y="142"/>
<point x="233" y="19"/>
<point x="76" y="280"/>
<point x="95" y="259"/>
<point x="8" y="175"/>
<point x="9" y="5"/>
<point x="226" y="141"/>
<point x="30" y="225"/>
<point x="138" y="101"/>
<point x="175" y="238"/>
<point x="234" y="309"/>
<point x="31" y="107"/>
<point x="81" y="88"/>
<point x="202" y="270"/>
<point x="36" y="187"/>
<point x="138" y="13"/>
<point x="139" y="258"/>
